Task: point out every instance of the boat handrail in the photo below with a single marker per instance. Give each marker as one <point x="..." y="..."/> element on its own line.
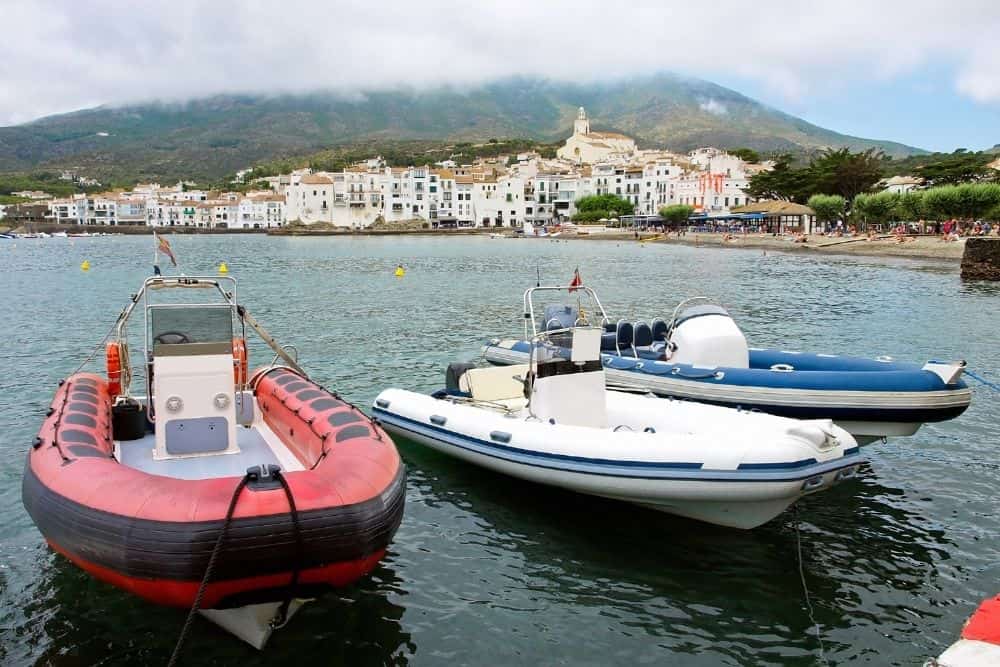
<point x="229" y="296"/>
<point x="529" y="306"/>
<point x="672" y="322"/>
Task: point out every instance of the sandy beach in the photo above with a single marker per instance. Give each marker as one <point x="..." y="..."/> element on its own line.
<point x="928" y="247"/>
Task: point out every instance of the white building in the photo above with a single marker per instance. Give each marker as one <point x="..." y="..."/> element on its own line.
<point x="586" y="147"/>
<point x="901" y="184"/>
<point x="69" y="211"/>
<point x="508" y="191"/>
<point x="132" y="210"/>
<point x="260" y="210"/>
<point x="102" y="210"/>
<point x="309" y="199"/>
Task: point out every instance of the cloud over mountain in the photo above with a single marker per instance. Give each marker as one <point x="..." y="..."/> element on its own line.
<point x="59" y="55"/>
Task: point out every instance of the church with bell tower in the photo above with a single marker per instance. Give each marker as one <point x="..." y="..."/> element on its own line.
<point x="586" y="147"/>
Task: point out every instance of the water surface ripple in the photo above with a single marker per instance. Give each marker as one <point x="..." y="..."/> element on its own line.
<point x="488" y="570"/>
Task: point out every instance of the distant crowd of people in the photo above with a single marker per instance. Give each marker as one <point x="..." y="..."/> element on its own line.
<point x="948" y="230"/>
<point x="953" y="230"/>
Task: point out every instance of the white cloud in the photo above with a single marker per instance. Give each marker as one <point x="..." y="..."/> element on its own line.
<point x="980" y="76"/>
<point x="713" y="106"/>
<point x="59" y="55"/>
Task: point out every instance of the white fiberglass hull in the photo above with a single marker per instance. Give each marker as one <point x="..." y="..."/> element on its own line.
<point x="739" y="474"/>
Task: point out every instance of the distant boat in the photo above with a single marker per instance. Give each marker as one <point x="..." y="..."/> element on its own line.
<point x="60" y="235"/>
<point x="530" y="231"/>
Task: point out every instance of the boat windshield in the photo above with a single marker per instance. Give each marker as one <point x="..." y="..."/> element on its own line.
<point x="181" y="325"/>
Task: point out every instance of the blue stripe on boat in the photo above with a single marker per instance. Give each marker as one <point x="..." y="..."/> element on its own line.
<point x="812" y="371"/>
<point x="848" y="374"/>
<point x="691" y="471"/>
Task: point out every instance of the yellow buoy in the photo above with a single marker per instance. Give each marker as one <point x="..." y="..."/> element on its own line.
<point x="223" y="269"/>
<point x="400" y="271"/>
<point x="85" y="266"/>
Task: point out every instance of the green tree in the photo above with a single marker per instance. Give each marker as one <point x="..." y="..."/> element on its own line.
<point x="677" y="214"/>
<point x="959" y="167"/>
<point x="745" y="154"/>
<point x="969" y="200"/>
<point x="910" y="206"/>
<point x="845" y="173"/>
<point x="782" y="182"/>
<point x="589" y="216"/>
<point x="605" y="206"/>
<point x="878" y="207"/>
<point x="941" y="202"/>
<point x="828" y="208"/>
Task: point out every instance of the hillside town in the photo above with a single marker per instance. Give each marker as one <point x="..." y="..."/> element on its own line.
<point x="505" y="191"/>
<point x="519" y="190"/>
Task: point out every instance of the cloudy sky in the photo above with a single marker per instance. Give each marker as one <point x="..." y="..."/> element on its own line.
<point x="923" y="72"/>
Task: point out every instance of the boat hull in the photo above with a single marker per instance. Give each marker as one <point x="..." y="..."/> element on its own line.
<point x="153" y="536"/>
<point x="869" y="398"/>
<point x="739" y="497"/>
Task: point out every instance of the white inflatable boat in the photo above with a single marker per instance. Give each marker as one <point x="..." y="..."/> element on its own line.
<point x="552" y="421"/>
<point x="701" y="354"/>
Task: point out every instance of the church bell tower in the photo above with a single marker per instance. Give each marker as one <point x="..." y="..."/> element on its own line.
<point x="581" y="125"/>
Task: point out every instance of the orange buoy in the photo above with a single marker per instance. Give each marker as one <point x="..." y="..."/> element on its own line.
<point x="113" y="356"/>
<point x="240" y="360"/>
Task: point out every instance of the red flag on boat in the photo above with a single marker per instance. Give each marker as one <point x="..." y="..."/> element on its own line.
<point x="576" y="282"/>
<point x="163" y="245"/>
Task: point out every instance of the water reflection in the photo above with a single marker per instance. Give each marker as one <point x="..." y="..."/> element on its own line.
<point x="104" y="626"/>
<point x="488" y="569"/>
<point x="672" y="580"/>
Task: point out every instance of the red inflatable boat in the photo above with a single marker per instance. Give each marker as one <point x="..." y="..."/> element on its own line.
<point x="293" y="490"/>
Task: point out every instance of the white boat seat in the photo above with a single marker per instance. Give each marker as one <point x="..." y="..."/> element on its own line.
<point x="496" y="383"/>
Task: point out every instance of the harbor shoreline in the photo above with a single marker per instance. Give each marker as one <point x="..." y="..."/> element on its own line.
<point x="920" y="247"/>
<point x="916" y="247"/>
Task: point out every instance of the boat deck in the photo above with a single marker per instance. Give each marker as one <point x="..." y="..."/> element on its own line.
<point x="254" y="450"/>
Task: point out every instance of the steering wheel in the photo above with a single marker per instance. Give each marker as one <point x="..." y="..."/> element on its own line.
<point x="171" y="338"/>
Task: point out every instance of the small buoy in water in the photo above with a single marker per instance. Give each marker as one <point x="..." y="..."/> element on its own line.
<point x="400" y="271"/>
<point x="85" y="266"/>
<point x="223" y="269"/>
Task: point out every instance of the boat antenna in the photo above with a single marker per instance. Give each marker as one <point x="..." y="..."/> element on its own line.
<point x="538" y="276"/>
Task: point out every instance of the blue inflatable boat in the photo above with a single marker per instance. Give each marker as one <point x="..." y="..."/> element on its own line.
<point x="700" y="354"/>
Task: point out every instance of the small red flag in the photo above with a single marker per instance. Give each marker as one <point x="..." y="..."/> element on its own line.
<point x="576" y="282"/>
<point x="164" y="247"/>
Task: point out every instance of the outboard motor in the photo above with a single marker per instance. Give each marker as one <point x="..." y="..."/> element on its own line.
<point x="704" y="334"/>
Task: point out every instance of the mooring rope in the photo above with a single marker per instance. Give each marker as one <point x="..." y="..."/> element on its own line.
<point x="99" y="345"/>
<point x="210" y="567"/>
<point x="992" y="385"/>
<point x="805" y="588"/>
<point x="281" y="617"/>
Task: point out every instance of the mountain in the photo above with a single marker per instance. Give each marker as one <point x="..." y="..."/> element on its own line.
<point x="210" y="137"/>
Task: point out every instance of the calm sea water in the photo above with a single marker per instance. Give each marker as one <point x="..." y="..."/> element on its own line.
<point x="485" y="569"/>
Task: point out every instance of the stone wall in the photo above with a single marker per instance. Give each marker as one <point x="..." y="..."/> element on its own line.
<point x="981" y="260"/>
